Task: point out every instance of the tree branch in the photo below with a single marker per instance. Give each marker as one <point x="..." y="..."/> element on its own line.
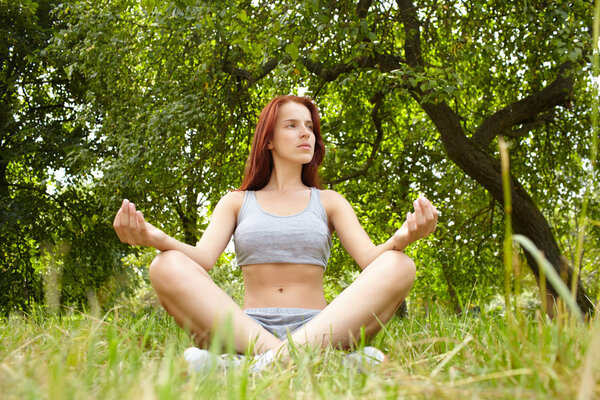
<point x="381" y="62"/>
<point x="525" y="111"/>
<point x="266" y="68"/>
<point x="51" y="107"/>
<point x="412" y="45"/>
<point x="241" y="73"/>
<point x="362" y="8"/>
<point x="525" y="128"/>
<point x="249" y="76"/>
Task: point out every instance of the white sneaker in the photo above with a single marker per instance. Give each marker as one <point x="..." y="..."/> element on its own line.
<point x="364" y="358"/>
<point x="261" y="361"/>
<point x="201" y="360"/>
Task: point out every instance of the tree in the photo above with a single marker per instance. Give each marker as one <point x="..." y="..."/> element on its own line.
<point x="42" y="216"/>
<point x="470" y="153"/>
<point x="413" y="97"/>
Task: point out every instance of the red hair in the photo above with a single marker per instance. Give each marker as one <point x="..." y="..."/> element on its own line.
<point x="260" y="161"/>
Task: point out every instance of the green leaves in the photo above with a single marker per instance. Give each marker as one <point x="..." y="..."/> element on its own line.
<point x="148" y="5"/>
<point x="157" y="102"/>
<point x="292" y="50"/>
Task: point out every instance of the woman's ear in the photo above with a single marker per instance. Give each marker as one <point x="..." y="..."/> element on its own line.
<point x="269" y="145"/>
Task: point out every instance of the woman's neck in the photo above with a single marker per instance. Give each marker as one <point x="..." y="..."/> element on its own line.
<point x="284" y="178"/>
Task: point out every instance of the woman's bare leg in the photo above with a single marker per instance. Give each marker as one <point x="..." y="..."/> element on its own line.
<point x="187" y="292"/>
<point x="371" y="300"/>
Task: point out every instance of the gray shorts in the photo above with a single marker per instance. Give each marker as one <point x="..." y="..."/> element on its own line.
<point x="280" y="320"/>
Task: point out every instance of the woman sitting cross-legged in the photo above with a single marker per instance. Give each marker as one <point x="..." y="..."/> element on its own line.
<point x="282" y="224"/>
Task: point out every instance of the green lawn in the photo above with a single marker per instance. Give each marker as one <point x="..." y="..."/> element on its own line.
<point x="128" y="356"/>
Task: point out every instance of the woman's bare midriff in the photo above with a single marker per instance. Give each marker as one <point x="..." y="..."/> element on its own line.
<point x="283" y="285"/>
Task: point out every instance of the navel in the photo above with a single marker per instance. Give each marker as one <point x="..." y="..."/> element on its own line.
<point x="280" y="290"/>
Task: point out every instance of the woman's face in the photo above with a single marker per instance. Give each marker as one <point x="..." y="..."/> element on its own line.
<point x="293" y="137"/>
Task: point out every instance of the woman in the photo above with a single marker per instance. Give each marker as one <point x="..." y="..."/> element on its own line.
<point x="282" y="226"/>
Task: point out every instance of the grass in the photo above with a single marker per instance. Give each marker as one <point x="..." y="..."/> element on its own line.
<point x="440" y="356"/>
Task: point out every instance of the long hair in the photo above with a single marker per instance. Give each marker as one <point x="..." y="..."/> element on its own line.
<point x="260" y="161"/>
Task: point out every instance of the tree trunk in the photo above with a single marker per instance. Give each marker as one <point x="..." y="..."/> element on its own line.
<point x="526" y="217"/>
<point x="455" y="303"/>
<point x="470" y="156"/>
<point x="3" y="182"/>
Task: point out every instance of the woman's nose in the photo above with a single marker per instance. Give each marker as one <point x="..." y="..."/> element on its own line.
<point x="305" y="131"/>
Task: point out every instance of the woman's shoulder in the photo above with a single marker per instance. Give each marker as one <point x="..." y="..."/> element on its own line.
<point x="332" y="200"/>
<point x="234" y="196"/>
<point x="329" y="194"/>
<point x="233" y="200"/>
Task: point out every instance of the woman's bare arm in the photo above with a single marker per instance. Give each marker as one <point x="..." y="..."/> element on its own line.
<point x="355" y="240"/>
<point x="132" y="228"/>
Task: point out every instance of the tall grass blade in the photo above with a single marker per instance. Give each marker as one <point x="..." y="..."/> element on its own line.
<point x="450" y="355"/>
<point x="551" y="274"/>
<point x="543" y="291"/>
<point x="508" y="253"/>
<point x="593" y="151"/>
<point x="586" y="387"/>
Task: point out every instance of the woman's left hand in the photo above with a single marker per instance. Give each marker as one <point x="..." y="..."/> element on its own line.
<point x="418" y="224"/>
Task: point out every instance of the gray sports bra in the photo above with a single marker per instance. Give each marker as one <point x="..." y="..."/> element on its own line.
<point x="261" y="237"/>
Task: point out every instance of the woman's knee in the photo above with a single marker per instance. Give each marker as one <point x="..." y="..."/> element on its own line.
<point x="160" y="265"/>
<point x="170" y="268"/>
<point x="399" y="269"/>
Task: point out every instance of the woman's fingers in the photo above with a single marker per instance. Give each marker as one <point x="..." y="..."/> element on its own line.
<point x="129" y="223"/>
<point x="421" y="222"/>
<point x="125" y="214"/>
<point x="425" y="217"/>
<point x="431" y="214"/>
<point x="123" y="223"/>
<point x="141" y="222"/>
<point x="143" y="226"/>
<point x="133" y="227"/>
<point x="117" y="224"/>
<point x="428" y="208"/>
<point x="418" y="213"/>
<point x="410" y="222"/>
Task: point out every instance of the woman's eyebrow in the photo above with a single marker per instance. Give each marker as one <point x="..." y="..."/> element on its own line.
<point x="296" y="120"/>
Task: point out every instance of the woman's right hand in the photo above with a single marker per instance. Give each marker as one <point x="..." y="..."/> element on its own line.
<point x="418" y="225"/>
<point x="132" y="228"/>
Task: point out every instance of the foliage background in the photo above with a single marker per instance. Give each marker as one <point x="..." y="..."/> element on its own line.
<point x="156" y="102"/>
